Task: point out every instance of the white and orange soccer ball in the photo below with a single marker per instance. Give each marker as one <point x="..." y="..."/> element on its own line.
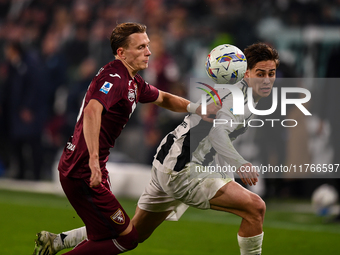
<point x="226" y="64"/>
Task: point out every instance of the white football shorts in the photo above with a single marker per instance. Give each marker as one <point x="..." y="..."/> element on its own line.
<point x="176" y="191"/>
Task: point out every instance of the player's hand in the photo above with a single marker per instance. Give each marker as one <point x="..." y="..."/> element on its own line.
<point x="212" y="109"/>
<point x="96" y="173"/>
<point x="248" y="174"/>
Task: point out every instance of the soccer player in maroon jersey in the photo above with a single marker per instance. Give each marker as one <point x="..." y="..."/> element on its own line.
<point x="108" y="104"/>
<point x="174" y="185"/>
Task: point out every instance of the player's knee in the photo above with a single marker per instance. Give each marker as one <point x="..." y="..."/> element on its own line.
<point x="129" y="241"/>
<point x="261" y="208"/>
<point x="258" y="208"/>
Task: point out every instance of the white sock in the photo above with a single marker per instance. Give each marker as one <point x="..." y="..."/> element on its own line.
<point x="250" y="245"/>
<point x="69" y="239"/>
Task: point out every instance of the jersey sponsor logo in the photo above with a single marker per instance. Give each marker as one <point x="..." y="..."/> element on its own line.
<point x="118" y="217"/>
<point x="106" y="87"/>
<point x="115" y="75"/>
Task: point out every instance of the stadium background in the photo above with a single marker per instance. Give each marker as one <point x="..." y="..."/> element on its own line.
<point x="67" y="42"/>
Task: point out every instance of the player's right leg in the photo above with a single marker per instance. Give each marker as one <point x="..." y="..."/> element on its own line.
<point x="217" y="191"/>
<point x="109" y="228"/>
<point x="49" y="244"/>
<point x="153" y="208"/>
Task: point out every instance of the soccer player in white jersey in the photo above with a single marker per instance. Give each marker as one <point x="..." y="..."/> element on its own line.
<point x="175" y="184"/>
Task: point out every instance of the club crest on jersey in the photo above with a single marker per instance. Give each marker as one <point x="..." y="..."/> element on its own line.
<point x="131" y="95"/>
<point x="118" y="217"/>
<point x="106" y="87"/>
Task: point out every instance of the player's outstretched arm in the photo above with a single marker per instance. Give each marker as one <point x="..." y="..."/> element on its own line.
<point x="180" y="104"/>
<point x="172" y="102"/>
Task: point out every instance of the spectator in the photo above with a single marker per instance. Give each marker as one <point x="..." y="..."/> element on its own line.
<point x="56" y="73"/>
<point x="25" y="91"/>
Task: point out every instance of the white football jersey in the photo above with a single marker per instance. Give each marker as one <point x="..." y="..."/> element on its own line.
<point x="198" y="141"/>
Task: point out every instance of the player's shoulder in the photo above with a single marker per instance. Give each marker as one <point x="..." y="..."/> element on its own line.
<point x="139" y="79"/>
<point x="226" y="92"/>
<point x="113" y="71"/>
<point x="227" y="95"/>
<point x="242" y="84"/>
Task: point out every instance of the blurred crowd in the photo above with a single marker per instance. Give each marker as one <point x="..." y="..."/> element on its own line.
<point x="51" y="49"/>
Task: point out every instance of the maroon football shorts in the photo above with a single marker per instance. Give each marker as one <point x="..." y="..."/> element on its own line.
<point x="99" y="209"/>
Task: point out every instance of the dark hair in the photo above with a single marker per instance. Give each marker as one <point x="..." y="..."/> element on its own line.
<point x="120" y="34"/>
<point x="260" y="52"/>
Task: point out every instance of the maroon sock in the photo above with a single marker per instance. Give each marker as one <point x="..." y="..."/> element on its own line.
<point x="107" y="247"/>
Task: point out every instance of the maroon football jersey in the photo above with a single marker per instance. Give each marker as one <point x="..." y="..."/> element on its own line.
<point x="114" y="88"/>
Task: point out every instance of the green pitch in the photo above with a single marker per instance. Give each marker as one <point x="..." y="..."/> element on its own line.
<point x="198" y="232"/>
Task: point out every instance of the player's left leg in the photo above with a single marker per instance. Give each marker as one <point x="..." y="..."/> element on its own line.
<point x="235" y="199"/>
<point x="154" y="206"/>
<point x="146" y="222"/>
<point x="125" y="242"/>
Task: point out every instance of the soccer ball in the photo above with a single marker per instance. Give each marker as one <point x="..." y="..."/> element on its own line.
<point x="323" y="199"/>
<point x="226" y="64"/>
